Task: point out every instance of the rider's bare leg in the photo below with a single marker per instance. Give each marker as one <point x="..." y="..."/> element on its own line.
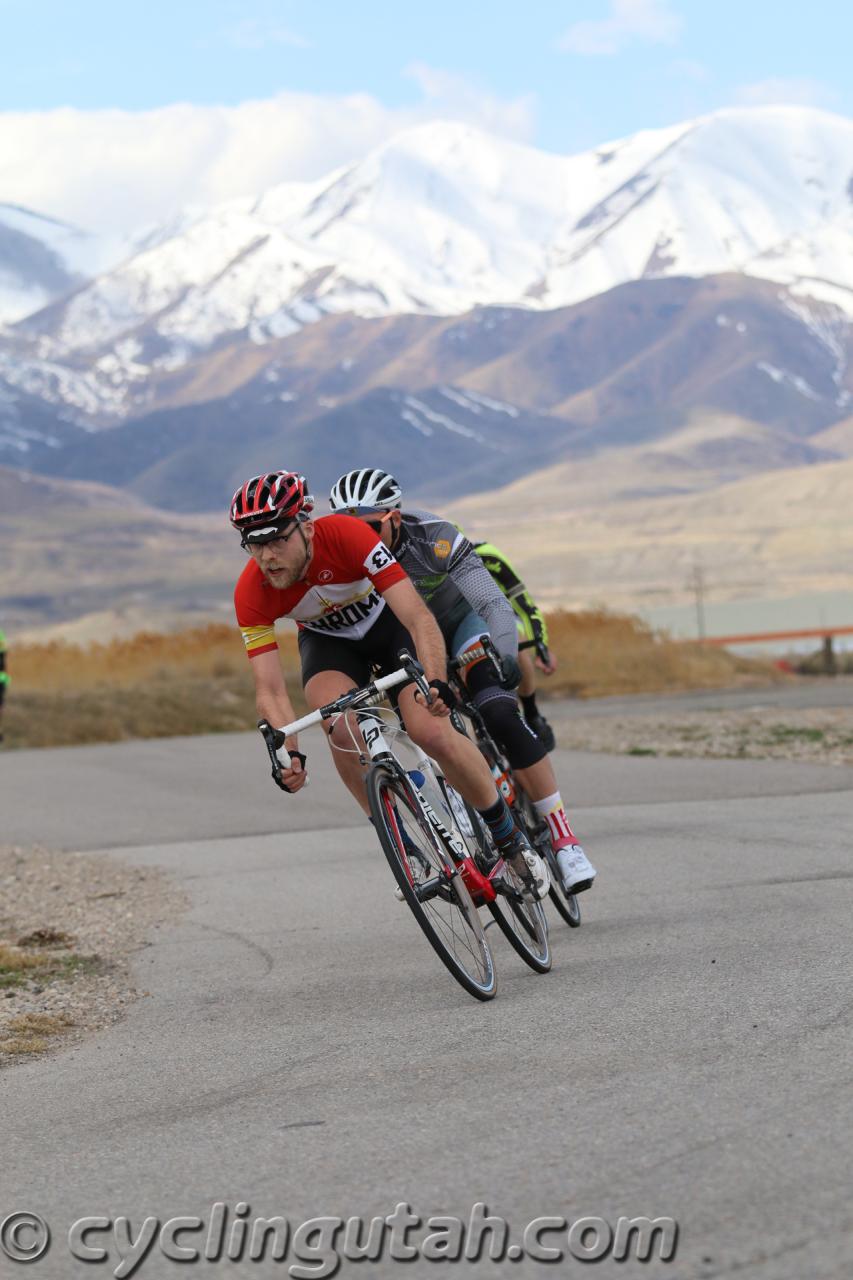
<point x="321" y="689"/>
<point x="459" y="758"/>
<point x="528" y="674"/>
<point x="538" y="780"/>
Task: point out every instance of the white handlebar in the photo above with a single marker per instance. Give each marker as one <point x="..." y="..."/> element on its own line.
<point x="315" y="717"/>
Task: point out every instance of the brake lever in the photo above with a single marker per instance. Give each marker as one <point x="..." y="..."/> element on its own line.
<point x="417" y="673"/>
<point x="492" y="654"/>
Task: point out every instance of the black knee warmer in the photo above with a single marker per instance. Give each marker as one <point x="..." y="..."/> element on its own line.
<point x="503" y="720"/>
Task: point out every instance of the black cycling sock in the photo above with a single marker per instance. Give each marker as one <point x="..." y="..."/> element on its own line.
<point x="528" y="706"/>
<point x="499" y="821"/>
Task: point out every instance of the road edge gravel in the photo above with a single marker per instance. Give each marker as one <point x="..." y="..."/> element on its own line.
<point x="74" y="921"/>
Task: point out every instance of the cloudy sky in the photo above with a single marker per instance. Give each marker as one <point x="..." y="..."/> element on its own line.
<point x="114" y="115"/>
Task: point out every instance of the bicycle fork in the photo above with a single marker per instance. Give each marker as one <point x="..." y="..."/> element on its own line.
<point x="458" y="860"/>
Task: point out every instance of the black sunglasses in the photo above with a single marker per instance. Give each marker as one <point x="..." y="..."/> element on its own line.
<point x="376" y="525"/>
<point x="247" y="544"/>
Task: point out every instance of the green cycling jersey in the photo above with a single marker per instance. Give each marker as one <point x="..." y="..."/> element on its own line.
<point x="529" y="614"/>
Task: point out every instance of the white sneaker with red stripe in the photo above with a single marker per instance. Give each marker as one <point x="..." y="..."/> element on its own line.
<point x="576" y="871"/>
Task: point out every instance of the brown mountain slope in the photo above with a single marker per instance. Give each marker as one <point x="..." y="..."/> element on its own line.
<point x="674" y="345"/>
<point x="838" y="437"/>
<point x="69" y="549"/>
<point x="770" y="534"/>
<point x="630" y="367"/>
<point x="643" y="348"/>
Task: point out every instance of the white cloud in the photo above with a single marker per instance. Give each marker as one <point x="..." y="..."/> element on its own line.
<point x="452" y="96"/>
<point x="252" y="33"/>
<point x="111" y="170"/>
<point x="780" y="92"/>
<point x="652" y="21"/>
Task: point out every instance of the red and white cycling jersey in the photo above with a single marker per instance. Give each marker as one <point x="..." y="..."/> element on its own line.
<point x="339" y="594"/>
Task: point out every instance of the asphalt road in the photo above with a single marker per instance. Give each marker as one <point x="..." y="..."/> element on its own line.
<point x="302" y="1052"/>
<point x="817" y="693"/>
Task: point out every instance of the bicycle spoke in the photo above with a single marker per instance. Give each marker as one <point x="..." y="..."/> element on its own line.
<point x="521" y="921"/>
<point x="448" y="916"/>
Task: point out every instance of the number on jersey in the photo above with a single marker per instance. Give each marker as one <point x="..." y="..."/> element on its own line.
<point x="379" y="559"/>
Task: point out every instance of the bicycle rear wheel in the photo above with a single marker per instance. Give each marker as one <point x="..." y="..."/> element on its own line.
<point x="440" y="902"/>
<point x="566" y="903"/>
<point x="520" y="919"/>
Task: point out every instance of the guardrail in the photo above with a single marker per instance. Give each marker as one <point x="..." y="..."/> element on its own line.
<point x="826" y="634"/>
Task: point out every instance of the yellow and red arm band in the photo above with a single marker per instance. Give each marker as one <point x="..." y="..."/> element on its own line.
<point x="259" y="640"/>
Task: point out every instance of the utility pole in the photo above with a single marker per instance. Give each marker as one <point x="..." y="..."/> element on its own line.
<point x="699" y="592"/>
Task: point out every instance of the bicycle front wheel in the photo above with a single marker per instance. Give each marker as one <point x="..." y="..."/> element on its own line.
<point x="438" y="899"/>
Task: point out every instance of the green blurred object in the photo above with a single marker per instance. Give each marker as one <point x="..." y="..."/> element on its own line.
<point x="526" y="609"/>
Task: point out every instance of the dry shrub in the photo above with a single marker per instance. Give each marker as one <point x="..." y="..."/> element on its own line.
<point x="608" y="653"/>
<point x="14" y="962"/>
<point x="32" y="1032"/>
<point x="148" y="686"/>
<point x="169" y="706"/>
<point x="46" y="936"/>
<point x="213" y="651"/>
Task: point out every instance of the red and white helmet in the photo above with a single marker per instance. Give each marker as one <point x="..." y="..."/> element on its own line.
<point x="269" y="503"/>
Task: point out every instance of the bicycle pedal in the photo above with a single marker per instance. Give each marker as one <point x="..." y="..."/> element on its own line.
<point x="579" y="888"/>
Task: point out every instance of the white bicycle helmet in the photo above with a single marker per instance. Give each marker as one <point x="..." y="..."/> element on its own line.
<point x="367" y="489"/>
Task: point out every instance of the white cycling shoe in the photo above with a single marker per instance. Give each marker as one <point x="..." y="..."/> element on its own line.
<point x="576" y="871"/>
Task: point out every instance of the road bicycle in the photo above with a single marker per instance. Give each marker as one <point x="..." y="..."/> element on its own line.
<point x="438" y="848"/>
<point x="529" y="821"/>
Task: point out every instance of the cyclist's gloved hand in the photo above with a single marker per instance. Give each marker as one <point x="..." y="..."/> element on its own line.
<point x="292" y="779"/>
<point x="295" y="776"/>
<point x="510" y="672"/>
<point x="441" y="689"/>
<point x="544" y="661"/>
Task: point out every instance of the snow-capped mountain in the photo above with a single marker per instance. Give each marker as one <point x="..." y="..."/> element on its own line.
<point x="42" y="259"/>
<point x="495" y="393"/>
<point x="443" y="218"/>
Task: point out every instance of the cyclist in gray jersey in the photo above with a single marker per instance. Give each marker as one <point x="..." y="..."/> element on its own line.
<point x="453" y="579"/>
<point x="466" y="601"/>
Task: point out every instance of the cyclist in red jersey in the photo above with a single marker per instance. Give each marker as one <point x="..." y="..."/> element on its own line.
<point x="355" y="608"/>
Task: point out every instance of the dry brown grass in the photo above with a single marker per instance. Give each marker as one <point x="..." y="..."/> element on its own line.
<point x="32" y="1032"/>
<point x="149" y="686"/>
<point x="27" y="961"/>
<point x="199" y="681"/>
<point x="212" y="651"/>
<point x="15" y="963"/>
<point x="602" y="653"/>
<point x="33" y="964"/>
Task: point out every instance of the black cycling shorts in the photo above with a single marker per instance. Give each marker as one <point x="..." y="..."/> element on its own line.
<point x="375" y="653"/>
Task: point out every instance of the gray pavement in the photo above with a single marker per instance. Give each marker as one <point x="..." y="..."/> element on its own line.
<point x="301" y="1050"/>
<point x="170" y="789"/>
<point x="806" y="694"/>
